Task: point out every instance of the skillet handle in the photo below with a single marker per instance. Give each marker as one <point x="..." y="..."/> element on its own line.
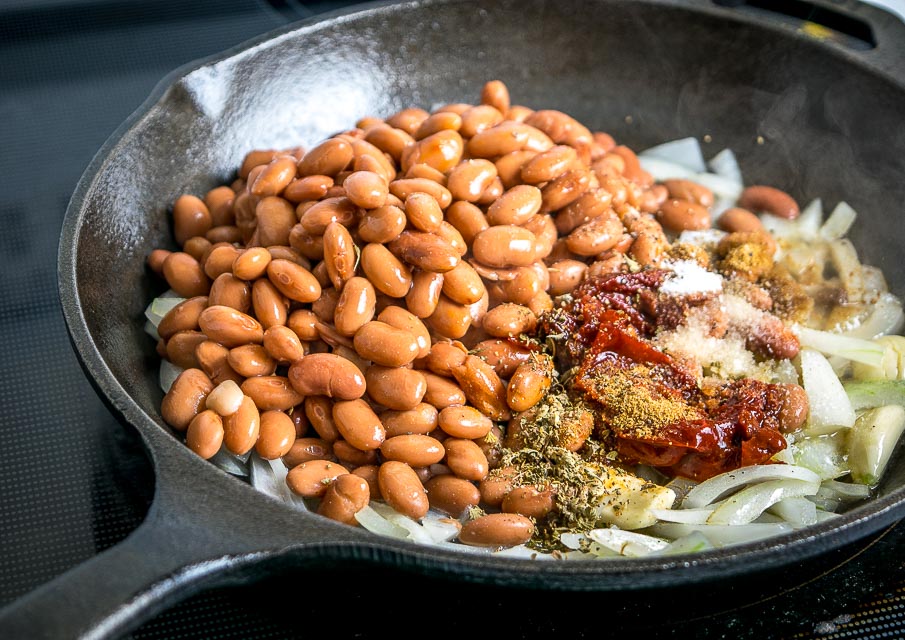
<point x="882" y="31"/>
<point x="193" y="537"/>
<point x="160" y="563"/>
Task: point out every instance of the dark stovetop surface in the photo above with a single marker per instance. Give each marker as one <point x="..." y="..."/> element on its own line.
<point x="74" y="482"/>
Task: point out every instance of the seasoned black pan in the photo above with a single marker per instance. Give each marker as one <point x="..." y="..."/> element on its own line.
<point x="817" y="116"/>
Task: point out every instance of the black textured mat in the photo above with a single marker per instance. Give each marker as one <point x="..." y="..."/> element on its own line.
<point x="74" y="482"/>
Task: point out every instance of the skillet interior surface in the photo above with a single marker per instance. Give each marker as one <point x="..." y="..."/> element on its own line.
<point x="799" y="114"/>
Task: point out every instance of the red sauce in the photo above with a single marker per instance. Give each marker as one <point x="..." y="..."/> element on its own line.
<point x="739" y="423"/>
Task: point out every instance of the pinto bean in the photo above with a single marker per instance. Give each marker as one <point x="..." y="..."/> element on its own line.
<point x="385" y="271"/>
<point x="311" y="479"/>
<point x="355" y="306"/>
<point x="358" y="424"/>
<point x="390" y="140"/>
<point x="293" y="281"/>
<point x="462" y="284"/>
<point x="450" y="319"/>
<point x="326" y="159"/>
<point x="452" y="495"/>
<point x="347" y="495"/>
<point x="251" y="360"/>
<point x="483" y="387"/>
<point x="242" y="428"/>
<point x="445" y="356"/>
<point x="596" y="236"/>
<point x="283" y="344"/>
<point x="529" y="383"/>
<point x="530" y="502"/>
<point x="497" y="530"/>
<point x="401" y="488"/>
<point x="382" y="224"/>
<point x="505" y="246"/>
<point x="423" y="211"/>
<point x="339" y="254"/>
<point x="328" y="375"/>
<point x="385" y="344"/>
<point x="426" y="251"/>
<point x="758" y="198"/>
<point x="422" y="418"/>
<point x="276" y="176"/>
<point x="683" y="215"/>
<point x="503" y="355"/>
<point x="508" y="320"/>
<point x="506" y="137"/>
<point x="191" y="217"/>
<point x="403" y="188"/>
<point x="276" y="217"/>
<point x="272" y="392"/>
<point x="565" y="189"/>
<point x="441" y="150"/>
<point x="397" y="388"/>
<point x="416" y="450"/>
<point x="737" y="219"/>
<point x="516" y="206"/>
<point x="470" y="178"/>
<point x="183" y="317"/>
<point x="565" y="275"/>
<point x="270" y="306"/>
<point x="204" y="435"/>
<point x="230" y="291"/>
<point x="424" y="295"/>
<point x="402" y="319"/>
<point x="186" y="398"/>
<point x="230" y="327"/>
<point x="184" y="275"/>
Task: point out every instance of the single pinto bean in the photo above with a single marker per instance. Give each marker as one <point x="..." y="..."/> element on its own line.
<point x="452" y="495"/>
<point x="404" y="187"/>
<point x="271" y="392"/>
<point x="467" y="218"/>
<point x="422" y="418"/>
<point x="308" y="188"/>
<point x="516" y="206"/>
<point x="277" y="435"/>
<point x="424" y="295"/>
<point x="275" y="177"/>
<point x="332" y="209"/>
<point x="549" y="165"/>
<point x="184" y="275"/>
<point x="185" y="399"/>
<point x="328" y="375"/>
<point x="230" y="291"/>
<point x="270" y="306"/>
<point x="423" y="211"/>
<point x="385" y="344"/>
<point x="503" y="355"/>
<point x="401" y="487"/>
<point x="205" y="434"/>
<point x="683" y="215"/>
<point x="293" y="281"/>
<point x="482" y="387"/>
<point x="241" y="428"/>
<point x="505" y="246"/>
<point x="385" y="271"/>
<point x="441" y="150"/>
<point x="190" y="218"/>
<point x="497" y="530"/>
<point x="229" y="327"/>
<point x="252" y="263"/>
<point x="358" y="424"/>
<point x="444" y="356"/>
<point x="339" y="254"/>
<point x="283" y="344"/>
<point x="465" y="459"/>
<point x="312" y="479"/>
<point x="688" y="190"/>
<point x="529" y="502"/>
<point x="462" y="284"/>
<point x="529" y="383"/>
<point x="251" y="360"/>
<point x="565" y="275"/>
<point x="415" y="450"/>
<point x="596" y="236"/>
<point x="464" y="422"/>
<point x="366" y="189"/>
<point x="450" y="319"/>
<point x="326" y="159"/>
<point x="759" y="198"/>
<point x="305" y="449"/>
<point x="355" y="306"/>
<point x="212" y="358"/>
<point x="425" y="251"/>
<point x="276" y="217"/>
<point x="470" y="178"/>
<point x="347" y="495"/>
<point x="397" y="388"/>
<point x="734" y="220"/>
<point x="442" y="392"/>
<point x="183" y="317"/>
<point x="382" y="224"/>
<point x="509" y="320"/>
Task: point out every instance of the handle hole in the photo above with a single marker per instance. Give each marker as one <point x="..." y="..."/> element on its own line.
<point x="814" y="20"/>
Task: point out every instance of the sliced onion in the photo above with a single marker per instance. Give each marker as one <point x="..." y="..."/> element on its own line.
<point x="713" y="488"/>
<point x="440" y="527"/>
<point x="627" y="543"/>
<point x="746" y="505"/>
<point x="374" y="522"/>
<point x="886" y="318"/>
<point x="797" y="511"/>
<point x="849" y="347"/>
<point x="229" y="462"/>
<point x="824" y="455"/>
<point x="151" y="330"/>
<point x="843" y="490"/>
<point x="839" y="222"/>
<point x="722" y="188"/>
<point x="830" y="408"/>
<point x="848" y="266"/>
<point x="725" y="164"/>
<point x="684" y="516"/>
<point x="160" y="307"/>
<point x="168" y="374"/>
<point x="685" y="152"/>
<point x="722" y="534"/>
<point x="664" y="169"/>
<point x="694" y="542"/>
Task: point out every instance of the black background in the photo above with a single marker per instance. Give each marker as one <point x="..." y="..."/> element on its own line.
<point x="73" y="481"/>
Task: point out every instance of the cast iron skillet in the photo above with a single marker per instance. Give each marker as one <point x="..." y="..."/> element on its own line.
<point x="830" y="122"/>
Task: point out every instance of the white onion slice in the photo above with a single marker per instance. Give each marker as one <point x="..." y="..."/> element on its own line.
<point x="839" y="222"/>
<point x="886" y="318"/>
<point x="684" y="516"/>
<point x="694" y="542"/>
<point x="369" y="519"/>
<point x="151" y="330"/>
<point x="627" y="543"/>
<point x="168" y="374"/>
<point x="229" y="462"/>
<point x="748" y="504"/>
<point x="725" y="164"/>
<point x="836" y="344"/>
<point x="797" y="511"/>
<point x="722" y="187"/>
<point x="830" y="408"/>
<point x="713" y="488"/>
<point x="843" y="490"/>
<point x="685" y="152"/>
<point x="848" y="266"/>
<point x="722" y="534"/>
<point x="160" y="307"/>
<point x="664" y="169"/>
